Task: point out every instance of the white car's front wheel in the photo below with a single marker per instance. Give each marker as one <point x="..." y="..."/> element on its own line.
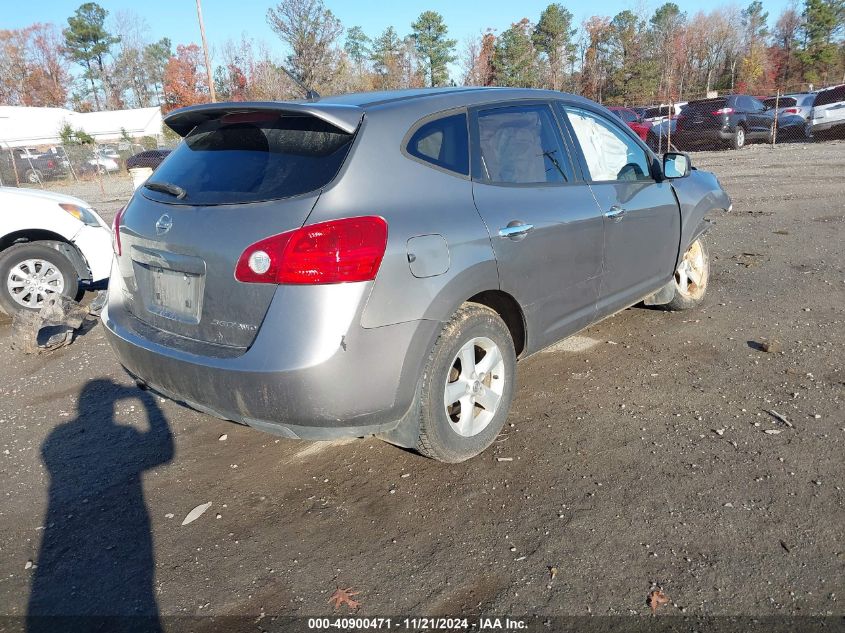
<point x="32" y="273"/>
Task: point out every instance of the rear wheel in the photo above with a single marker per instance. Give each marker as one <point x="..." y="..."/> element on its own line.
<point x="31" y="274"/>
<point x="691" y="277"/>
<point x="468" y="385"/>
<point x="33" y="176"/>
<point x="738" y="140"/>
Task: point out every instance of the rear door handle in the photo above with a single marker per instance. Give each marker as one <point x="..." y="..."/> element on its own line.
<point x="515" y="230"/>
<point x="616" y="213"/>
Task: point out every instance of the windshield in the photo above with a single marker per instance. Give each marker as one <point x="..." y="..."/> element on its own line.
<point x="244" y="158"/>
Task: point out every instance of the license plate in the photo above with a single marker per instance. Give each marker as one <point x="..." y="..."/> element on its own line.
<point x="170" y="293"/>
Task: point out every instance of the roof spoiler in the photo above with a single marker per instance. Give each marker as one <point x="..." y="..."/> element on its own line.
<point x="344" y="117"/>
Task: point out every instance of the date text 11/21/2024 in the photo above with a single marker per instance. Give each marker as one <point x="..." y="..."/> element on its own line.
<point x="413" y="624"/>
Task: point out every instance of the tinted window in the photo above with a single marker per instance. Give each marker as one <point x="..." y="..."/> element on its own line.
<point x="249" y="158"/>
<point x="626" y="115"/>
<point x="783" y="102"/>
<point x="705" y="106"/>
<point x="443" y="142"/>
<point x="755" y="104"/>
<point x="833" y="95"/>
<point x="521" y="145"/>
<point x="610" y="153"/>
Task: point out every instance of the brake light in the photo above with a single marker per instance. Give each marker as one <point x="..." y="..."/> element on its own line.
<point x="115" y="230"/>
<point x="791" y="111"/>
<point x="332" y="252"/>
<point x="723" y="111"/>
<point x="50" y="164"/>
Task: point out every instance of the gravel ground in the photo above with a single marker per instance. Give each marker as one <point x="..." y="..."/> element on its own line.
<point x="652" y="456"/>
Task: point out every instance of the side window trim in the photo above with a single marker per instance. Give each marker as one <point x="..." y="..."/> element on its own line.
<point x="579" y="153"/>
<point x="435" y="117"/>
<point x="476" y="170"/>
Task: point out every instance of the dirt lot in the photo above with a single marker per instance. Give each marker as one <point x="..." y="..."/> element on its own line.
<point x="647" y="459"/>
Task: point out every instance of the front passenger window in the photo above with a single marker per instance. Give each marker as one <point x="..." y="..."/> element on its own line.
<point x="610" y="153"/>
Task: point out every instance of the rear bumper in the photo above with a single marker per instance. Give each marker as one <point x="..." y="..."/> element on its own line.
<point x="825" y="125"/>
<point x="312" y="378"/>
<point x="702" y="136"/>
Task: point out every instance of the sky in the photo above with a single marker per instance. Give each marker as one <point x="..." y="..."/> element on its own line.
<point x="229" y="19"/>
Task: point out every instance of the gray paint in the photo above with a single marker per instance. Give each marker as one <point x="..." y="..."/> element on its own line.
<point x="345" y="359"/>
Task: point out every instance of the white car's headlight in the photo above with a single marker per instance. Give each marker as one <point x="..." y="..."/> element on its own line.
<point x="86" y="216"/>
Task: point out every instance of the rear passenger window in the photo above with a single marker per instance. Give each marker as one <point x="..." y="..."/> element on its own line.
<point x="521" y="145"/>
<point x="609" y="152"/>
<point x="443" y="142"/>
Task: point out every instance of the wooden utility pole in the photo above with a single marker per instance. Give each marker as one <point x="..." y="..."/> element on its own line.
<point x="205" y="50"/>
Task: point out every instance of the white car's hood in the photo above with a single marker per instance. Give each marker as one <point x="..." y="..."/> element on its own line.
<point x="43" y="195"/>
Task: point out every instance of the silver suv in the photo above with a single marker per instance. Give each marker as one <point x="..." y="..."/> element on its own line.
<point x="374" y="264"/>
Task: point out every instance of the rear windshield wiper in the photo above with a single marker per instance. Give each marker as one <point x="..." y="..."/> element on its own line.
<point x="167" y="187"/>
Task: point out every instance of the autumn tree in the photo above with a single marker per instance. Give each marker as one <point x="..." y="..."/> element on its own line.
<point x="32" y="70"/>
<point x="185" y="78"/>
<point x="312" y="32"/>
<point x="435" y="49"/>
<point x="87" y="42"/>
<point x="477" y="60"/>
<point x="552" y="38"/>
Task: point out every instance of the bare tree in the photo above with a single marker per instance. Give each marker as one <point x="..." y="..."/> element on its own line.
<point x="312" y="32"/>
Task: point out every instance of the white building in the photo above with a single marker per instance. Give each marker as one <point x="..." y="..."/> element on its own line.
<point x="30" y="127"/>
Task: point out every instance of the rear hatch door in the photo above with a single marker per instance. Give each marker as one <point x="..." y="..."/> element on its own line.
<point x="237" y="178"/>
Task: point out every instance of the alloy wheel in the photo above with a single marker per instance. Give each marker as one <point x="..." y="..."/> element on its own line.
<point x="474" y="386"/>
<point x="32" y="281"/>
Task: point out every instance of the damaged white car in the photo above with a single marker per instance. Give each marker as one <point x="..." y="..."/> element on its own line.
<point x="50" y="244"/>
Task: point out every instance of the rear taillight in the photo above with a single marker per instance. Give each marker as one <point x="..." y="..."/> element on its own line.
<point x="50" y="163"/>
<point x="332" y="252"/>
<point x="791" y="111"/>
<point x="115" y="229"/>
<point x="723" y="111"/>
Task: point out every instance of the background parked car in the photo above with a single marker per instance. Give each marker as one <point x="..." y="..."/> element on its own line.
<point x="827" y="117"/>
<point x="793" y="113"/>
<point x="634" y="120"/>
<point x="729" y="121"/>
<point x="34" y="168"/>
<point x="100" y="163"/>
<point x="49" y="244"/>
<point x="149" y="158"/>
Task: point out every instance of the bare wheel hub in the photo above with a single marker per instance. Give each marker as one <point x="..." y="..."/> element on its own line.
<point x="691" y="275"/>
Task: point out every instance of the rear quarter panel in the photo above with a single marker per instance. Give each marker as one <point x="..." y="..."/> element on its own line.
<point x="415" y="200"/>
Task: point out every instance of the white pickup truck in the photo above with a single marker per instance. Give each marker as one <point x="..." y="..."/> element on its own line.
<point x="49" y="244"/>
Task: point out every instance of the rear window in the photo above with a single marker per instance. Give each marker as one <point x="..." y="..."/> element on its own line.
<point x="705" y="106"/>
<point x="834" y="95"/>
<point x="242" y="158"/>
<point x="443" y="142"/>
<point x="783" y="102"/>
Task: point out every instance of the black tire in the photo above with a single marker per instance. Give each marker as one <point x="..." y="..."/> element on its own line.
<point x="14" y="255"/>
<point x="438" y="437"/>
<point x="739" y="138"/>
<point x="33" y="176"/>
<point x="692" y="294"/>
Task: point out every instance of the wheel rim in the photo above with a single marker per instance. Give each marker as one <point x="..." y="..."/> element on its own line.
<point x="474" y="386"/>
<point x="33" y="178"/>
<point x="740" y="136"/>
<point x="31" y="282"/>
<point x="691" y="275"/>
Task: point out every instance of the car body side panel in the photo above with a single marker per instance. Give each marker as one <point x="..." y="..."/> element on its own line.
<point x="427" y="198"/>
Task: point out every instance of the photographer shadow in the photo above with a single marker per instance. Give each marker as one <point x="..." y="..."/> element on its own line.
<point x="96" y="566"/>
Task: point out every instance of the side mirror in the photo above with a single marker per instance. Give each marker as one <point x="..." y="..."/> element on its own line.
<point x="676" y="165"/>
